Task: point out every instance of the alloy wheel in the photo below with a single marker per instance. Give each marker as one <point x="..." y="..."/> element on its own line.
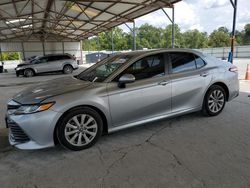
<point x="80" y="130"/>
<point x="67" y="69"/>
<point x="216" y="101"/>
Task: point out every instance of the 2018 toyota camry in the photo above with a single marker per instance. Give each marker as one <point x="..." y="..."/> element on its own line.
<point x="121" y="91"/>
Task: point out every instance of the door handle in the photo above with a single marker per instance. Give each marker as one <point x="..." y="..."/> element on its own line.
<point x="205" y="74"/>
<point x="163" y="83"/>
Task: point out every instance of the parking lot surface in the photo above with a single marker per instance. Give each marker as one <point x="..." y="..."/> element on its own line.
<point x="188" y="151"/>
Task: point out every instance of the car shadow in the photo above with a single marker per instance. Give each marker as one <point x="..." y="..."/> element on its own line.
<point x="6" y="147"/>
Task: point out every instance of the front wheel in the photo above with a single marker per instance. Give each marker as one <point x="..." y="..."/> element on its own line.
<point x="214" y="101"/>
<point x="80" y="129"/>
<point x="67" y="69"/>
<point x="28" y="73"/>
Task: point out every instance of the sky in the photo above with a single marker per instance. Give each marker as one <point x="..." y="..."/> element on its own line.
<point x="204" y="15"/>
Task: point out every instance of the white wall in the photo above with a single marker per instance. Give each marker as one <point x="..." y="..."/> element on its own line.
<point x="36" y="48"/>
<point x="239" y="52"/>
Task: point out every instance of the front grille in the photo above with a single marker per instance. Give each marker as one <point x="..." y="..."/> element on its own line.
<point x="16" y="133"/>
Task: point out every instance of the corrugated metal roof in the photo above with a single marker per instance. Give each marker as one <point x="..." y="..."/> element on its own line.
<point x="37" y="20"/>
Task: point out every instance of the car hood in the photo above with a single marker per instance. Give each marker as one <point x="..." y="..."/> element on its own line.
<point x="23" y="64"/>
<point x="59" y="86"/>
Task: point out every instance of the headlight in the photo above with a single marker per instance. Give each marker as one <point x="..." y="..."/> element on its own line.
<point x="28" y="109"/>
<point x="18" y="68"/>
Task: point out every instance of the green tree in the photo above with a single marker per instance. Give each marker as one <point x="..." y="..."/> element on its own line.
<point x="246" y="33"/>
<point x="219" y="38"/>
<point x="223" y="29"/>
<point x="10" y="56"/>
<point x="239" y="37"/>
<point x="195" y="39"/>
<point x="167" y="38"/>
<point x="105" y="38"/>
<point x="150" y="37"/>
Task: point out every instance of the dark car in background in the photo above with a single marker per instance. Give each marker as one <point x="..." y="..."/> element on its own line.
<point x="1" y="67"/>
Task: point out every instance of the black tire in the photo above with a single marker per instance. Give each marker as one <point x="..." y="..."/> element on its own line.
<point x="61" y="128"/>
<point x="219" y="102"/>
<point x="28" y="73"/>
<point x="67" y="69"/>
<point x="17" y="74"/>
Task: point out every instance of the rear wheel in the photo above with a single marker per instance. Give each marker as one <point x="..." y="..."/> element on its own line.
<point x="28" y="73"/>
<point x="80" y="129"/>
<point x="214" y="101"/>
<point x="67" y="69"/>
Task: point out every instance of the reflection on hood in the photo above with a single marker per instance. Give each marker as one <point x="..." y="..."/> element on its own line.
<point x="59" y="86"/>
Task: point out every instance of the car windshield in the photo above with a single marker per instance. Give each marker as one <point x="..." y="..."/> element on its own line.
<point x="34" y="59"/>
<point x="103" y="69"/>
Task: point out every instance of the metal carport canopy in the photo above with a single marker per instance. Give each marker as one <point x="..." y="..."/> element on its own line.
<point x="60" y="20"/>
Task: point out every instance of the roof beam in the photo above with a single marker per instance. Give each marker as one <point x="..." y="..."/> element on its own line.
<point x="46" y="14"/>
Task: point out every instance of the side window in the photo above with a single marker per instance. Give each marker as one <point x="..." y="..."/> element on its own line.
<point x="199" y="62"/>
<point x="51" y="58"/>
<point x="147" y="67"/>
<point x="42" y="60"/>
<point x="182" y="61"/>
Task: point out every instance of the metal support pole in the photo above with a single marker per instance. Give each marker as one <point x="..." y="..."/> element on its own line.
<point x="173" y="24"/>
<point x="133" y="31"/>
<point x="234" y="4"/>
<point x="63" y="47"/>
<point x="1" y="54"/>
<point x="88" y="44"/>
<point x="134" y="36"/>
<point x="81" y="62"/>
<point x="112" y="40"/>
<point x="173" y="27"/>
<point x="23" y="52"/>
<point x="43" y="48"/>
<point x="98" y="46"/>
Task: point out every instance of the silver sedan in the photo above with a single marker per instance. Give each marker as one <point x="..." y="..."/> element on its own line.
<point x="121" y="91"/>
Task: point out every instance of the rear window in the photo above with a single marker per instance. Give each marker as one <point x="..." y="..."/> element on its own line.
<point x="182" y="61"/>
<point x="199" y="62"/>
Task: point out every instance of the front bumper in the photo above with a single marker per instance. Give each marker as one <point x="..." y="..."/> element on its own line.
<point x="234" y="88"/>
<point x="19" y="72"/>
<point x="32" y="131"/>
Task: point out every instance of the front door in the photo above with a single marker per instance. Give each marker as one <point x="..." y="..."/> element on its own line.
<point x="148" y="97"/>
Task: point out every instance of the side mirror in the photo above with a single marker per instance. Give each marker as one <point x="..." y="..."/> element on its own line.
<point x="126" y="79"/>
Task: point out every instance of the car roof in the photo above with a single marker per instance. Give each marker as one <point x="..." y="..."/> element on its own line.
<point x="145" y="52"/>
<point x="49" y="55"/>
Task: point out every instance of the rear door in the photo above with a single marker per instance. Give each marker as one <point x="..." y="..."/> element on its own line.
<point x="54" y="63"/>
<point x="189" y="77"/>
<point x="148" y="97"/>
<point x="41" y="65"/>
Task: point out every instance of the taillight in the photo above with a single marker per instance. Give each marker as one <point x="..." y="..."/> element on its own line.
<point x="233" y="69"/>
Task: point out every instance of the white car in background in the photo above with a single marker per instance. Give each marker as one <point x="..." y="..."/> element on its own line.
<point x="49" y="63"/>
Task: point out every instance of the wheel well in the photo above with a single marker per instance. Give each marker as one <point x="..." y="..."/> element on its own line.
<point x="30" y="69"/>
<point x="104" y="119"/>
<point x="224" y="86"/>
<point x="67" y="65"/>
